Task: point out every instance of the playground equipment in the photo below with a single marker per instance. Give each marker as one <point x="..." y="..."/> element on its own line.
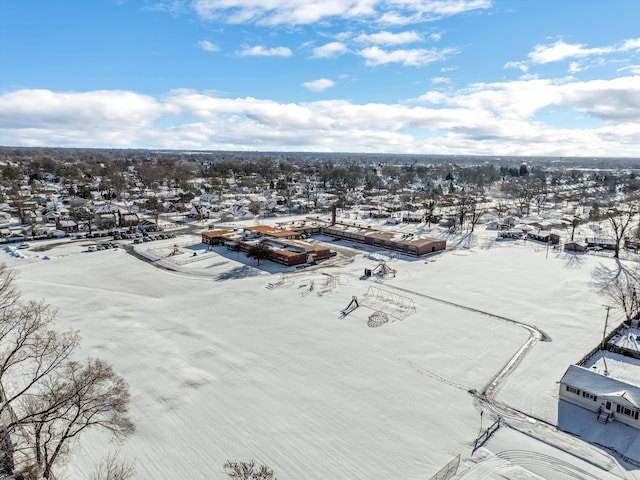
<point x="383" y="270"/>
<point x="308" y="288"/>
<point x="332" y="281"/>
<point x="176" y="251"/>
<point x="283" y="281"/>
<point x="377" y="319"/>
<point x="351" y="307"/>
<point x="393" y="304"/>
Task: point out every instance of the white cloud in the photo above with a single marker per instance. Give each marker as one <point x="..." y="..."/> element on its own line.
<point x="305" y="12"/>
<point x="616" y="100"/>
<point x="523" y="67"/>
<point x="330" y="50"/>
<point x="575" y="67"/>
<point x="485" y="118"/>
<point x="630" y="44"/>
<point x="415" y="57"/>
<point x="440" y="80"/>
<point x="634" y="69"/>
<point x="260" y="51"/>
<point x="170" y="6"/>
<point x="207" y="46"/>
<point x="319" y="85"/>
<point x="561" y="50"/>
<point x="389" y="38"/>
<point x="436" y="37"/>
<point x="104" y="108"/>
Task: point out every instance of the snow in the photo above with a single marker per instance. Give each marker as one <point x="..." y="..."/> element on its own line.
<point x="620" y="367"/>
<point x="230" y="360"/>
<point x="628" y="338"/>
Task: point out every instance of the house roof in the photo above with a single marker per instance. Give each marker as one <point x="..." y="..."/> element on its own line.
<point x="615" y="390"/>
<point x="601" y="241"/>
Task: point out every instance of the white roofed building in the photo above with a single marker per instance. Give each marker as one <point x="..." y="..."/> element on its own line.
<point x="609" y="398"/>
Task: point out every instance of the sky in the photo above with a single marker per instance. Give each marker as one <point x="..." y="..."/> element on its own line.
<point x="472" y="77"/>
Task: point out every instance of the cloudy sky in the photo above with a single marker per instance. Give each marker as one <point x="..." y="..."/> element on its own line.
<point x="499" y="77"/>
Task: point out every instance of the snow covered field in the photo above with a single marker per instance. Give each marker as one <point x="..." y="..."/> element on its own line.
<point x="230" y="360"/>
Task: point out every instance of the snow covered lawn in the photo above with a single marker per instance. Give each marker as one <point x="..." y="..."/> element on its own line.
<point x="222" y="367"/>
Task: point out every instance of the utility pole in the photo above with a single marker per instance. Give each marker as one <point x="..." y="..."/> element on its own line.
<point x="606" y="322"/>
<point x="548" y="243"/>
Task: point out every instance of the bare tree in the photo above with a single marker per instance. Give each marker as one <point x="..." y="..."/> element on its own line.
<point x="462" y="205"/>
<point x="469" y="207"/>
<point x="621" y="285"/>
<point x="29" y="351"/>
<point x="524" y="190"/>
<point x="248" y="471"/>
<point x="259" y="250"/>
<point x="79" y="397"/>
<point x="574" y="223"/>
<point x="48" y="399"/>
<point x="113" y="468"/>
<point x="430" y="205"/>
<point x="620" y="221"/>
<point x="9" y="294"/>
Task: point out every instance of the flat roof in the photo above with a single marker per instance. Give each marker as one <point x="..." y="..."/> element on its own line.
<point x="385" y="235"/>
<point x="271" y="231"/>
<point x="216" y="233"/>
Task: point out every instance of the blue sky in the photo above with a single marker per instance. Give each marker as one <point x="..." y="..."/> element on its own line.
<point x="498" y="77"/>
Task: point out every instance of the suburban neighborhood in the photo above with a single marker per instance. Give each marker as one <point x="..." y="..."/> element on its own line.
<point x="301" y="224"/>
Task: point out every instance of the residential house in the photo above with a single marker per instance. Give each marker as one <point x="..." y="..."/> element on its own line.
<point x="605" y="243"/>
<point x="609" y="398"/>
<point x="129" y="220"/>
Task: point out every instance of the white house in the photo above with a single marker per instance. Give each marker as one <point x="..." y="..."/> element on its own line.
<point x="609" y="398"/>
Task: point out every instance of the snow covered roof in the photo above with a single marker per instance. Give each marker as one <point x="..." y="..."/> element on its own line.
<point x="601" y="241"/>
<point x="628" y="338"/>
<point x="620" y="392"/>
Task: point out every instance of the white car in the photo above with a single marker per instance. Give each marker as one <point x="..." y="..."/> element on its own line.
<point x="23" y="245"/>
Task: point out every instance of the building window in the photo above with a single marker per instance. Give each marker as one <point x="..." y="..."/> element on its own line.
<point x="590" y="395"/>
<point x="625" y="411"/>
<point x="573" y="390"/>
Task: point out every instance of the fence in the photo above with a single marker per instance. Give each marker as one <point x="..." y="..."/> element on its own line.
<point x="596" y="349"/>
<point x="486" y="434"/>
<point x="448" y="471"/>
<point x="183" y="258"/>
